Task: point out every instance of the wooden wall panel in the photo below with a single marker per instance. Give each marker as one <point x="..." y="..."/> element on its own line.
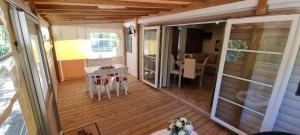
<point x="73" y="69"/>
<point x="288" y="119"/>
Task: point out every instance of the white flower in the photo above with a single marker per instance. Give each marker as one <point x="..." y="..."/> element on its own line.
<point x="181" y="132"/>
<point x="188" y="127"/>
<point x="183" y="119"/>
<point x="179" y="124"/>
<point x="171" y="125"/>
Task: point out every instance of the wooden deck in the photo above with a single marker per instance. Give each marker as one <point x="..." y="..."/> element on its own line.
<point x="200" y="97"/>
<point x="144" y="111"/>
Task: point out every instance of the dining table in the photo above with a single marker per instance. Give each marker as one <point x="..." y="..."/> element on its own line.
<point x="90" y="70"/>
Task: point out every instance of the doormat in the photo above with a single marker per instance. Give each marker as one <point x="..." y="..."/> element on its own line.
<point x="91" y="129"/>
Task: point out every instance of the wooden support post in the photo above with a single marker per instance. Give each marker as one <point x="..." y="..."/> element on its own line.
<point x="137" y="27"/>
<point x="262" y="7"/>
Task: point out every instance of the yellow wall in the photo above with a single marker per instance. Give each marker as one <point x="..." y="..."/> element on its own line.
<point x="71" y="49"/>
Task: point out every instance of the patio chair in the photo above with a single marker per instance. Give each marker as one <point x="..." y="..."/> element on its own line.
<point x="120" y="80"/>
<point x="101" y="82"/>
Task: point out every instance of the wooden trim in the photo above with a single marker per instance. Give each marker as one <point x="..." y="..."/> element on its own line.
<point x="54" y="53"/>
<point x="137" y="27"/>
<point x="262" y="7"/>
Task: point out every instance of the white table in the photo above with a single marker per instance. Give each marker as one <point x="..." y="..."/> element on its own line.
<point x="167" y="132"/>
<point x="90" y="70"/>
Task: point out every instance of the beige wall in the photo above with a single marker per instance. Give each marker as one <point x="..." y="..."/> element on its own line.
<point x="131" y="58"/>
<point x="217" y="34"/>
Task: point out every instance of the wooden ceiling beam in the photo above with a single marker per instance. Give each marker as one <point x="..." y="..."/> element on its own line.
<point x="209" y="3"/>
<point x="95" y="8"/>
<point x="74" y="12"/>
<point x="98" y="18"/>
<point x="177" y="2"/>
<point x="89" y="16"/>
<point x="104" y="2"/>
<point x="84" y="22"/>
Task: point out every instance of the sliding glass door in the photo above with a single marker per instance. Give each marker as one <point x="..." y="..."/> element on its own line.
<point x="150" y="57"/>
<point x="36" y="71"/>
<point x="253" y="66"/>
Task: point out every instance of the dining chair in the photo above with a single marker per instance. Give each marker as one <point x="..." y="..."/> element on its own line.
<point x="192" y="69"/>
<point x="189" y="67"/>
<point x="101" y="81"/>
<point x="173" y="70"/>
<point x="200" y="69"/>
<point x="120" y="80"/>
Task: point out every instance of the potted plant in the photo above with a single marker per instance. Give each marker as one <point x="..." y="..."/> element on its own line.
<point x="180" y="126"/>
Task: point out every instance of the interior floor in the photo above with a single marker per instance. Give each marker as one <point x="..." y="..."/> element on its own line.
<point x="200" y="97"/>
<point x="144" y="111"/>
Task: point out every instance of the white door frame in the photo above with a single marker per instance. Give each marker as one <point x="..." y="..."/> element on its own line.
<point x="284" y="72"/>
<point x="157" y="55"/>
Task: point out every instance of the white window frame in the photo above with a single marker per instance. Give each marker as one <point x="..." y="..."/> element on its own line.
<point x="155" y="85"/>
<point x="283" y="74"/>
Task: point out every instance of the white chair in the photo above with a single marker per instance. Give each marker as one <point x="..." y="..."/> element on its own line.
<point x="173" y="70"/>
<point x="200" y="70"/>
<point x="191" y="71"/>
<point x="120" y="80"/>
<point x="189" y="67"/>
<point x="101" y="82"/>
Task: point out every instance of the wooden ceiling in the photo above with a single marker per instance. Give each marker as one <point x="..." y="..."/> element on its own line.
<point x="109" y="11"/>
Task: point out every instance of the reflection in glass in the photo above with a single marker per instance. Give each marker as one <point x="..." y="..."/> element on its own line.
<point x="270" y="36"/>
<point x="4" y="42"/>
<point x="35" y="44"/>
<point x="262" y="68"/>
<point x="250" y="95"/>
<point x="149" y="57"/>
<point x="9" y="87"/>
<point x="241" y="118"/>
<point x="252" y="62"/>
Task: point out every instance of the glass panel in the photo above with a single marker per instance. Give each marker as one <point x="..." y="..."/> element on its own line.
<point x="47" y="41"/>
<point x="150" y="43"/>
<point x="253" y="66"/>
<point x="252" y="62"/>
<point x="241" y="118"/>
<point x="251" y="95"/>
<point x="150" y="51"/>
<point x="269" y="36"/>
<point x="9" y="85"/>
<point x="4" y="42"/>
<point x="128" y="40"/>
<point x="35" y="44"/>
<point x="103" y="45"/>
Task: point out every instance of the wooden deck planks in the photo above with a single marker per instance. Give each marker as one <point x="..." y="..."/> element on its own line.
<point x="144" y="111"/>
